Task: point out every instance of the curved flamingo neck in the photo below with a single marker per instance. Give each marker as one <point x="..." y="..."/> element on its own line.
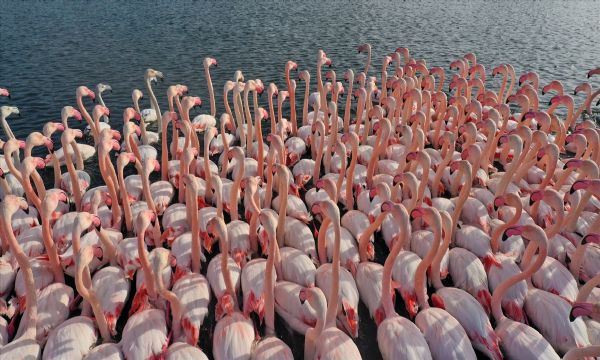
<point x="154" y="104"/>
<point x="363" y="240"/>
<point x="145" y="262"/>
<point x="494" y="242"/>
<point x="317" y="168"/>
<point x="233" y="195"/>
<point x="109" y="246"/>
<point x="347" y="109"/>
<point x="170" y="297"/>
<point x="504" y="286"/>
<point x="72" y="175"/>
<point x="51" y="249"/>
<point x="386" y="291"/>
<point x="507" y="177"/>
<point x="350" y="177"/>
<point x="586" y="290"/>
<point x="31" y="293"/>
<point x="192" y="201"/>
<point x="283" y="203"/>
<point x="90" y="296"/>
<point x="88" y="119"/>
<point x="125" y="200"/>
<point x="224" y="247"/>
<point x="211" y="92"/>
<point x="332" y="306"/>
<point x="249" y="126"/>
<point x="462" y="198"/>
<point x="421" y="270"/>
<point x="269" y="290"/>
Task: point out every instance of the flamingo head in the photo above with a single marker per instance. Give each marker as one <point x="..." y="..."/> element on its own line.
<point x="580" y="185"/>
<point x="210" y="62"/>
<point x="593" y="238"/>
<point x="515" y="230"/>
<point x="85" y="91"/>
<point x="499" y="201"/>
<point x="417" y="212"/>
<point x="580" y="309"/>
<point x="290" y="65"/>
<point x="523" y="78"/>
<point x="536" y="196"/>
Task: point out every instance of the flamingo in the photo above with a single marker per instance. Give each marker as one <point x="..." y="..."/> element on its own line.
<point x="234" y="333"/>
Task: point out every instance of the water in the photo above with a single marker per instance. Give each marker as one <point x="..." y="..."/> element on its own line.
<point x="50" y="48"/>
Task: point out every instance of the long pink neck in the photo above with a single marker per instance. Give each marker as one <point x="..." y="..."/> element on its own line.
<point x="171" y="298"/>
<point x="269" y="290"/>
<point x="420" y="273"/>
<point x="51" y="250"/>
<point x="145" y="263"/>
<point x="73" y="176"/>
<point x="305" y="105"/>
<point x="164" y="156"/>
<point x="283" y="203"/>
<point x="90" y="296"/>
<point x="504" y="286"/>
<point x="494" y="242"/>
<point x="211" y="93"/>
<point x="125" y="200"/>
<point x="462" y="198"/>
<point x="234" y="193"/>
<point x="332" y="307"/>
<point x="88" y="119"/>
<point x="586" y="290"/>
<point x="365" y="237"/>
<point x="31" y="294"/>
<point x="386" y="290"/>
<point x="224" y="247"/>
<point x="192" y="202"/>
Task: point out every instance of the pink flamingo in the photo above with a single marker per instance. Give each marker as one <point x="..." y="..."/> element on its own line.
<point x="234" y="333"/>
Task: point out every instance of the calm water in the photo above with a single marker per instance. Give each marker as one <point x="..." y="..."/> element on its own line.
<point x="47" y="49"/>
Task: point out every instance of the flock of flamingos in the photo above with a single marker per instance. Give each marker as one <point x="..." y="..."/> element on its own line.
<point x="487" y="220"/>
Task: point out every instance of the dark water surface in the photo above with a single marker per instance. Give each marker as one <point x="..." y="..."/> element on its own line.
<point x="49" y="48"/>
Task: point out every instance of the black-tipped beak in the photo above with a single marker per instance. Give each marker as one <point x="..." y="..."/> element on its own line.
<point x="302" y="301"/>
<point x="531" y="201"/>
<point x="504" y="236"/>
<point x="574" y="92"/>
<point x="571" y="190"/>
<point x="494" y="207"/>
<point x="543" y="93"/>
<point x="571" y="317"/>
<point x="9" y="97"/>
